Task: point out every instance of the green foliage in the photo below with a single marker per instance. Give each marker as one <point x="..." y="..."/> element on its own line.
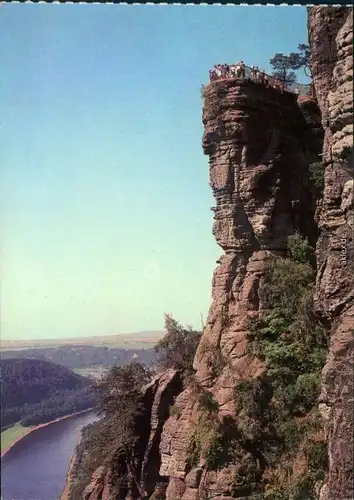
<point x="317" y="171"/>
<point x="207" y="402"/>
<point x="302" y="488"/>
<point x="317" y="457"/>
<point x="121" y="404"/>
<point x="288" y="337"/>
<point x="219" y="441"/>
<point x="210" y="440"/>
<point x="253" y="397"/>
<point x="307" y="390"/>
<point x="304" y="60"/>
<point x="112" y="441"/>
<point x="177" y="348"/>
<point x="36" y="391"/>
<point x="299" y="250"/>
<point x="277" y="410"/>
<point x="289" y="433"/>
<point x="299" y="488"/>
<point x="195" y="448"/>
<point x="283" y="66"/>
<point x="216" y="454"/>
<point x="120" y="390"/>
<point x="88" y="457"/>
<point x="246" y="479"/>
<point x="287" y="283"/>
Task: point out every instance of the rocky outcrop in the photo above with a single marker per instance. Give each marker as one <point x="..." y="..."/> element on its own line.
<point x="331" y="39"/>
<point x="157" y="397"/>
<point x="254" y="137"/>
<point x="100" y="487"/>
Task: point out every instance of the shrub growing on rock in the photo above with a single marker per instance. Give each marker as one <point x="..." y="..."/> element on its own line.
<point x="177" y="348"/>
<point x="317" y="177"/>
<point x="299" y="250"/>
<point x="277" y="412"/>
<point x="110" y="442"/>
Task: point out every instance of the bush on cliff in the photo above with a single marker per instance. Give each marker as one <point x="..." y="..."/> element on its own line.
<point x="209" y="442"/>
<point x="317" y="178"/>
<point x="277" y="420"/>
<point x="112" y="441"/>
<point x="177" y="348"/>
<point x="121" y="404"/>
<point x="300" y="251"/>
<point x="293" y="345"/>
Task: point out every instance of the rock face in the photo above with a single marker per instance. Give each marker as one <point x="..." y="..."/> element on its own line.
<point x="158" y="397"/>
<point x="255" y="139"/>
<point x="331" y="39"/>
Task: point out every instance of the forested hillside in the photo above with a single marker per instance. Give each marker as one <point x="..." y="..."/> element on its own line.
<point x="84" y="356"/>
<point x="34" y="391"/>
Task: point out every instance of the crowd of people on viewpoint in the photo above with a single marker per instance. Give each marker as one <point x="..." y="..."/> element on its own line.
<point x="240" y="70"/>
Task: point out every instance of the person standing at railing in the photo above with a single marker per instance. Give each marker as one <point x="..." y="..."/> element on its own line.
<point x="243" y="69"/>
<point x="253" y="73"/>
<point x="218" y="71"/>
<point x="212" y="75"/>
<point x="257" y="77"/>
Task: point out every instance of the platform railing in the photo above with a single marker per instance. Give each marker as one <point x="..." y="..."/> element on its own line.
<point x="232" y="71"/>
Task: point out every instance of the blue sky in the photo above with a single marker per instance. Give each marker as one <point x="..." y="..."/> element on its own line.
<point x="105" y="202"/>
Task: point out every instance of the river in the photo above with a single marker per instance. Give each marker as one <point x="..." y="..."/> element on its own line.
<point x="35" y="468"/>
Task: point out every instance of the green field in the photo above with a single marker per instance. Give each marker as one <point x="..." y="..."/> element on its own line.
<point x="10" y="435"/>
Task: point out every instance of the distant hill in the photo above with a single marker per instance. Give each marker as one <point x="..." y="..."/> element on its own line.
<point x="140" y="340"/>
<point x="84" y="356"/>
<point x="37" y="391"/>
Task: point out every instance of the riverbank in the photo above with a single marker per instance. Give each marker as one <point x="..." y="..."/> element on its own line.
<point x="40" y="426"/>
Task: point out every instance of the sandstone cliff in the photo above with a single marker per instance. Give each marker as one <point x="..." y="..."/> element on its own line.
<point x="260" y="144"/>
<point x="331" y="40"/>
<point x="254" y="137"/>
<point x="158" y="396"/>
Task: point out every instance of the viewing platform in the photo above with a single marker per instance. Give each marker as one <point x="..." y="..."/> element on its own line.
<point x="236" y="72"/>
